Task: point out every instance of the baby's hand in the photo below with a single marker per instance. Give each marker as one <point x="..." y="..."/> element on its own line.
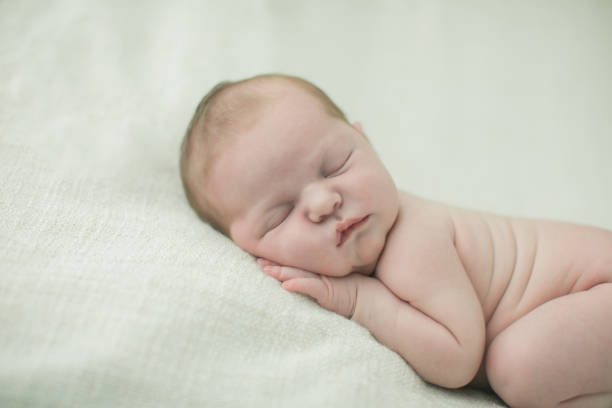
<point x="338" y="295"/>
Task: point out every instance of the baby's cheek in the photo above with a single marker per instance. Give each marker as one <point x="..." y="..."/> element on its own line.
<point x="307" y="250"/>
<point x="305" y="256"/>
<point x="294" y="253"/>
<point x="371" y="245"/>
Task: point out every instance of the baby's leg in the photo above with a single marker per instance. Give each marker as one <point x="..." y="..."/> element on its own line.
<point x="558" y="355"/>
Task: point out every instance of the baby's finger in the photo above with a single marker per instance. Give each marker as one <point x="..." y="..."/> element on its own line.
<point x="265" y="262"/>
<point x="284" y="273"/>
<point x="314" y="288"/>
<point x="337" y="295"/>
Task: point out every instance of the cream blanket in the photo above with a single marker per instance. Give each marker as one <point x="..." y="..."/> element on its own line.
<point x="113" y="293"/>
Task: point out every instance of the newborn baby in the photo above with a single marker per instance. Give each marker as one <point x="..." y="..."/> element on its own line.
<point x="523" y="306"/>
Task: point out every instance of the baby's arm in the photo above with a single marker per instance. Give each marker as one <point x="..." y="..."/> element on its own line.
<point x="430" y="347"/>
<point x="439" y="327"/>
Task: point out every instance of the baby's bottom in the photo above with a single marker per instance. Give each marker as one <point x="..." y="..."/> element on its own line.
<point x="558" y="355"/>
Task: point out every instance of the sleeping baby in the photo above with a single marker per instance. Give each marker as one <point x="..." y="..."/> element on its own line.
<point x="466" y="298"/>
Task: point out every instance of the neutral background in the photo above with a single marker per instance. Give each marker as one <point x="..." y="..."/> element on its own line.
<point x="504" y="106"/>
<point x="112" y="293"/>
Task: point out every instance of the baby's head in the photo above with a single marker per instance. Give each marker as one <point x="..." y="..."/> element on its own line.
<point x="273" y="163"/>
<point x="229" y="108"/>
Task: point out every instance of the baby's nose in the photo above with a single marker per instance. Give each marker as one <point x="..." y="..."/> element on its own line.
<point x="321" y="202"/>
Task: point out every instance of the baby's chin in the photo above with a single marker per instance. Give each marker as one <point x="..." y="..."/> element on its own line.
<point x="369" y="252"/>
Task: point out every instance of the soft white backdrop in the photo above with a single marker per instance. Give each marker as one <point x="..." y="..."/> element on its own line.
<point x="505" y="106"/>
<point x="111" y="291"/>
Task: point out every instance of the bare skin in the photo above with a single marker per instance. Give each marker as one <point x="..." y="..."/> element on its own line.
<point x="545" y="296"/>
<point x="522" y="306"/>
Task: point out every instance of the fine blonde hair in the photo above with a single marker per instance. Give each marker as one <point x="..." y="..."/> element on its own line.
<point x="228" y="107"/>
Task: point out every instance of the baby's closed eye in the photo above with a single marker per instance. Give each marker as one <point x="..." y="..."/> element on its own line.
<point x="340" y="167"/>
<point x="279" y="215"/>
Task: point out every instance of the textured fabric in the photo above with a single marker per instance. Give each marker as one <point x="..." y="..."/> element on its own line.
<point x="114" y="294"/>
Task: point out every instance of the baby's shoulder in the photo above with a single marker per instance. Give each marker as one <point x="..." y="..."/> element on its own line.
<point x="423" y="216"/>
<point x="423" y="228"/>
<point x="420" y="255"/>
<point x="418" y="215"/>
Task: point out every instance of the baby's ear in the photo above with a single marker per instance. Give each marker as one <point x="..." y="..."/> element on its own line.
<point x="357" y="125"/>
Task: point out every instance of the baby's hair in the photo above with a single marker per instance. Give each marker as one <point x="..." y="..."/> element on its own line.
<point x="228" y="107"/>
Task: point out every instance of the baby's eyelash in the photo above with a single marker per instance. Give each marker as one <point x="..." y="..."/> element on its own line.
<point x="281" y="219"/>
<point x="341" y="165"/>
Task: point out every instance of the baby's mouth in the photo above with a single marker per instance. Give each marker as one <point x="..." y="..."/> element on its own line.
<point x="346" y="228"/>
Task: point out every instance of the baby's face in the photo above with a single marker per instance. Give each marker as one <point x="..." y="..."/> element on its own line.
<point x="304" y="189"/>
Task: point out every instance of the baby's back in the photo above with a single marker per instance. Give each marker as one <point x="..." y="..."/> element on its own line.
<point x="516" y="264"/>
